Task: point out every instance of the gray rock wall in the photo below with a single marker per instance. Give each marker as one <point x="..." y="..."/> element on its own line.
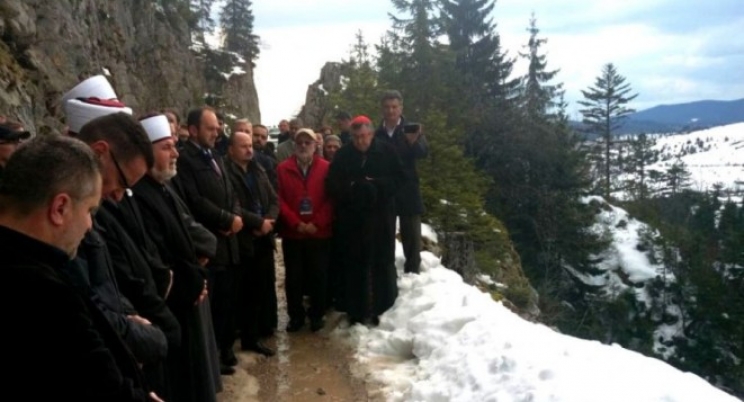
<point x="48" y="46"/>
<point x="317" y="110"/>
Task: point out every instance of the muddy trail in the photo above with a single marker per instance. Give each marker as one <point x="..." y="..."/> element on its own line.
<point x="307" y="366"/>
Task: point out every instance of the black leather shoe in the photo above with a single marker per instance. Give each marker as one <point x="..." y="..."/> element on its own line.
<point x="259" y="348"/>
<point x="295" y="326"/>
<point x="317" y="325"/>
<point x="226" y="370"/>
<point x="229" y="358"/>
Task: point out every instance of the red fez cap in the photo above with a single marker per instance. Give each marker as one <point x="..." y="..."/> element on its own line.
<point x="361" y="119"/>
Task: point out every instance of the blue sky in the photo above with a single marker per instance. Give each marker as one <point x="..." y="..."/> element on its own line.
<point x="670" y="51"/>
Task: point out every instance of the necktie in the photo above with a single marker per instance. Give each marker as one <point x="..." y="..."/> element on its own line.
<point x="215" y="166"/>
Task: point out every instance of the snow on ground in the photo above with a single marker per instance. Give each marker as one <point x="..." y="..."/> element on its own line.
<point x="444" y="340"/>
<point x="622" y="261"/>
<point x="625" y="266"/>
<point x="720" y="159"/>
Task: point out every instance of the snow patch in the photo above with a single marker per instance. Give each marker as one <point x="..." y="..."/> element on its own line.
<point x="444" y="340"/>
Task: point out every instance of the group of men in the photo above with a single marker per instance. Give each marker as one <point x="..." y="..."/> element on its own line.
<point x="137" y="257"/>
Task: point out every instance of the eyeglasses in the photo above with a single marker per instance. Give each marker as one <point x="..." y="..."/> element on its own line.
<point x="305" y="143"/>
<point x="122" y="179"/>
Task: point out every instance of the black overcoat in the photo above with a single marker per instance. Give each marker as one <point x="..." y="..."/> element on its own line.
<point x="408" y="198"/>
<point x="163" y="215"/>
<point x="60" y="330"/>
<point x="210" y="198"/>
<point x="365" y="210"/>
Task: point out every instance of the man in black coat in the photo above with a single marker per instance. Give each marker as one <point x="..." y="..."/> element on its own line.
<point x="108" y="257"/>
<point x="363" y="180"/>
<point x="260" y="137"/>
<point x="135" y="267"/>
<point x="50" y="188"/>
<point x="410" y="145"/>
<point x="210" y="197"/>
<point x="164" y="218"/>
<point x="260" y="208"/>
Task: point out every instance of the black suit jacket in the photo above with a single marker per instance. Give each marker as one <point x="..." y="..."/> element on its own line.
<point x="265" y="196"/>
<point x="211" y="199"/>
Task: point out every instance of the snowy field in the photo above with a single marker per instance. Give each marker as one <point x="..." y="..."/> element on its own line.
<point x="721" y="159"/>
<point x="444" y="340"/>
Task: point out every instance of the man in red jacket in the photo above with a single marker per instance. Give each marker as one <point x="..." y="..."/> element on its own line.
<point x="306" y="214"/>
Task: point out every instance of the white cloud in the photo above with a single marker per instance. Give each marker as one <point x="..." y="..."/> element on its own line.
<point x="292" y="59"/>
<point x="665" y="65"/>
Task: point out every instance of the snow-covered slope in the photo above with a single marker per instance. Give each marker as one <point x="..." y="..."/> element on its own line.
<point x="712" y="156"/>
<point x="444" y="340"/>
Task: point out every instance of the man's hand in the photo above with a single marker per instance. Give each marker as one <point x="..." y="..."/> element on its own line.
<point x="310" y="228"/>
<point x="154" y="397"/>
<point x="302" y="227"/>
<point x="140" y="320"/>
<point x="237" y="224"/>
<point x="203" y="294"/>
<point x="413" y="137"/>
<point x="267" y="226"/>
<point x="203" y="261"/>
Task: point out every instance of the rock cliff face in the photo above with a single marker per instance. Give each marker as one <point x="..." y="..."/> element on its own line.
<point x="317" y="109"/>
<point x="48" y="46"/>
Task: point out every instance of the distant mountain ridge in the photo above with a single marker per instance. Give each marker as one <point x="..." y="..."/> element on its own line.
<point x="707" y="113"/>
<point x="683" y="117"/>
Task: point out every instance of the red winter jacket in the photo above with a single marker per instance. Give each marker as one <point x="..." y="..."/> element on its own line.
<point x="293" y="188"/>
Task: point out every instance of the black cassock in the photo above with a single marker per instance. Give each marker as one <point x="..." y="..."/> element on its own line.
<point x="196" y="363"/>
<point x="363" y="186"/>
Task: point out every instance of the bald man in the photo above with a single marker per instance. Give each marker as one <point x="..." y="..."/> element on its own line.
<point x="257" y="310"/>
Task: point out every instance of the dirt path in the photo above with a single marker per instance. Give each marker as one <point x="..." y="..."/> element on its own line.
<point x="307" y="366"/>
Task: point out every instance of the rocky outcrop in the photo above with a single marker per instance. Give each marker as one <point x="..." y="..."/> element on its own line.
<point x="240" y="95"/>
<point x="144" y="48"/>
<point x="317" y="109"/>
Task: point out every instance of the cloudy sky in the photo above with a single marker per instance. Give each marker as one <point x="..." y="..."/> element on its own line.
<point x="670" y="51"/>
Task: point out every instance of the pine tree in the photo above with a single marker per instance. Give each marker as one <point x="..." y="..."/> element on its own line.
<point x="605" y="110"/>
<point x="200" y="19"/>
<point x="677" y="177"/>
<point x="421" y="61"/>
<point x="358" y="92"/>
<point x="640" y="157"/>
<point x="236" y="20"/>
<point x="538" y="97"/>
<point x="539" y="173"/>
<point x="483" y="69"/>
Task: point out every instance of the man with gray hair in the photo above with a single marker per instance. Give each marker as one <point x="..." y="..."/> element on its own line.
<point x="51" y="187"/>
<point x="287" y="148"/>
<point x="410" y="144"/>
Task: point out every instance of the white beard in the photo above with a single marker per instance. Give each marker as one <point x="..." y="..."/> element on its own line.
<point x="163" y="175"/>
